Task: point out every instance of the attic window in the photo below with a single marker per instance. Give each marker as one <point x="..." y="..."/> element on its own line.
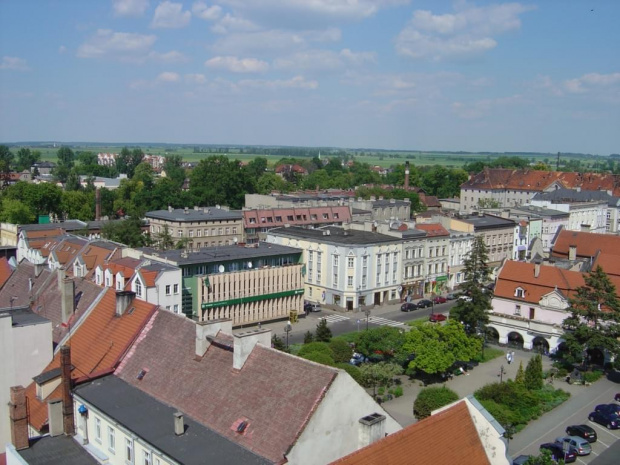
<point x="131" y="310"/>
<point x="520" y="292"/>
<point x="142" y="374"/>
<point x="242" y="426"/>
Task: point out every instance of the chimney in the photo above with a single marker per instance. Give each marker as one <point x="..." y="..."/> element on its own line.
<point x="196" y="208"/>
<point x="170" y="209"/>
<point x="406" y="175"/>
<point x="67" y="295"/>
<point x="536" y="269"/>
<point x="572" y="252"/>
<point x="55" y="416"/>
<point x="209" y="329"/>
<point x="67" y="400"/>
<point x="244" y="344"/>
<point x="123" y="299"/>
<point x="186" y="210"/>
<point x="97" y="204"/>
<point x="179" y="424"/>
<point x="19" y="418"/>
<point x="372" y="428"/>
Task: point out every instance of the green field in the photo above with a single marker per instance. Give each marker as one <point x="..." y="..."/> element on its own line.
<point x="383" y="158"/>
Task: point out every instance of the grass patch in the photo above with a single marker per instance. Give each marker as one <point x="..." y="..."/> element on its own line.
<point x="490" y="353"/>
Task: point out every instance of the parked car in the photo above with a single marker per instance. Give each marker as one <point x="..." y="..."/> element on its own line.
<point x="581" y="445"/>
<point x="437" y="317"/>
<point x="453" y="296"/>
<point x="358" y="359"/>
<point x="424" y="303"/>
<point x="408" y="307"/>
<point x="557" y="452"/>
<point x="440" y="299"/>
<point x="608" y="408"/>
<point x="311" y="307"/>
<point x="466" y="298"/>
<point x="583" y="431"/>
<point x="520" y="460"/>
<point x="617" y="397"/>
<point x="609" y="420"/>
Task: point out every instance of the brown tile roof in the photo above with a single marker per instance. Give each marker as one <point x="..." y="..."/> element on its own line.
<point x="433" y="229"/>
<point x="5" y="271"/>
<point x="275" y="392"/>
<point x="22" y="285"/>
<point x="588" y="244"/>
<point x="335" y="214"/>
<point x="445" y="438"/>
<point x="148" y="277"/>
<point x="97" y="346"/>
<point x="533" y="180"/>
<point x="44" y="233"/>
<point x="521" y="274"/>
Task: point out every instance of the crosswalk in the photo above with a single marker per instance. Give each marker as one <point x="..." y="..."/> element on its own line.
<point x="377" y="320"/>
<point x="334" y="318"/>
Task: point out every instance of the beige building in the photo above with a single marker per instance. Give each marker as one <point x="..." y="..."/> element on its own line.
<point x="202" y="226"/>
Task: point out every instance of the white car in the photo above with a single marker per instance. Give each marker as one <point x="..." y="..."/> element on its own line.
<point x="466" y="298"/>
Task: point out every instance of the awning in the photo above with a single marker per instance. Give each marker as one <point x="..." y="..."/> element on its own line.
<point x="253" y="298"/>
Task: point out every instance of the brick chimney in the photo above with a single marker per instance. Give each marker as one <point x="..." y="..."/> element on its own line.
<point x="244" y="344"/>
<point x="67" y="295"/>
<point x="406" y="175"/>
<point x="208" y="329"/>
<point x="67" y="399"/>
<point x="123" y="299"/>
<point x="371" y="429"/>
<point x="19" y="418"/>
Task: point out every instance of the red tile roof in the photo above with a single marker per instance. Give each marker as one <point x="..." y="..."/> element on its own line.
<point x="5" y="271"/>
<point x="275" y="392"/>
<point x="445" y="438"/>
<point x="432" y="229"/>
<point x="97" y="345"/>
<point x="588" y="244"/>
<point x="335" y="214"/>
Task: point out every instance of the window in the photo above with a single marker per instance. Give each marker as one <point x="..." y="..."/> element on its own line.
<point x="180" y="233"/>
<point x="350" y="262"/>
<point x="206" y="232"/>
<point x="176" y="308"/>
<point x="519" y="292"/>
<point x="138" y="288"/>
<point x="168" y="287"/>
<point x="98" y="429"/>
<point x="325" y="216"/>
<point x="336" y="216"/>
<point x="518" y="310"/>
<point x="228" y="229"/>
<point x="199" y="232"/>
<point x="148" y="459"/>
<point x="350" y="281"/>
<point x="111" y="440"/>
<point x="220" y="231"/>
<point x="176" y="288"/>
<point x="234" y="230"/>
<point x="128" y="450"/>
<point x="191" y="233"/>
<point x="279" y="219"/>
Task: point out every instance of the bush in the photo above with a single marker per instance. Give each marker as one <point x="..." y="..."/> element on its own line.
<point x="381" y="391"/>
<point x="354" y="371"/>
<point x="312" y="347"/>
<point x="592" y="376"/>
<point x="396" y="391"/>
<point x="432" y="398"/>
<point x="490" y="353"/>
<point x="320" y="357"/>
<point x="341" y="350"/>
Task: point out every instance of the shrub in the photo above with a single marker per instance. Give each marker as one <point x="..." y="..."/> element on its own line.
<point x="341" y="350"/>
<point x="381" y="391"/>
<point x="323" y="333"/>
<point x="354" y="371"/>
<point x="592" y="376"/>
<point x="308" y="337"/>
<point x="321" y="347"/>
<point x="321" y="358"/>
<point x="534" y="373"/>
<point x="432" y="398"/>
<point x="396" y="391"/>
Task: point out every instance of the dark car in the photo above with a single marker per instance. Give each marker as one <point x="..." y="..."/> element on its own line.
<point x="521" y="459"/>
<point x="437" y="317"/>
<point x="424" y="303"/>
<point x="557" y="452"/>
<point x="452" y="296"/>
<point x="311" y="307"/>
<point x="583" y="431"/>
<point x="609" y="420"/>
<point x="358" y="359"/>
<point x="440" y="299"/>
<point x="608" y="408"/>
<point x="617" y="397"/>
<point x="408" y="307"/>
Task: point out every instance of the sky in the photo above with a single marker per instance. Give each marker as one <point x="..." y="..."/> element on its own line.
<point x="541" y="76"/>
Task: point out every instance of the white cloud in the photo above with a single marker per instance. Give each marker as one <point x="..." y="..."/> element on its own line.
<point x="172" y="56"/>
<point x="124" y="46"/>
<point x="298" y="82"/>
<point x="237" y="65"/>
<point x="129" y="7"/>
<point x="169" y="15"/>
<point x="230" y="23"/>
<point x="590" y="81"/>
<point x="324" y="60"/>
<point x="168" y="76"/>
<point x="469" y="31"/>
<point x="14" y="63"/>
<point x="62" y="49"/>
<point x="482" y="108"/>
<point x="195" y="78"/>
<point x="208" y="13"/>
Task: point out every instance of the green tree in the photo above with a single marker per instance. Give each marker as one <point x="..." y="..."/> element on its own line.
<point x="473" y="312"/>
<point x="354" y="371"/>
<point x="277" y="343"/>
<point x="41" y="199"/>
<point x="341" y="350"/>
<point x="6" y="160"/>
<point x="270" y="182"/>
<point x="78" y="205"/>
<point x="379" y="374"/>
<point x="128" y="160"/>
<point x="173" y="167"/>
<point x="321" y="358"/>
<point x="26" y="158"/>
<point x="322" y="347"/>
<point x="87" y="158"/>
<point x="257" y="167"/>
<point x="520" y="376"/>
<point x="533" y="378"/>
<point x="128" y="232"/>
<point x="595" y="317"/>
<point x="16" y="212"/>
<point x="384" y="340"/>
<point x="163" y="240"/>
<point x="219" y="180"/>
<point x="308" y="337"/>
<point x="543" y="459"/>
<point x="66" y="161"/>
<point x="322" y="333"/>
<point x="73" y="181"/>
<point x="432" y="398"/>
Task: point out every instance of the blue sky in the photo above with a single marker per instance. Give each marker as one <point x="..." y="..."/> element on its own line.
<point x="395" y="74"/>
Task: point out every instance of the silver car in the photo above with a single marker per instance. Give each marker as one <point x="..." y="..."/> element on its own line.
<point x="580" y="445"/>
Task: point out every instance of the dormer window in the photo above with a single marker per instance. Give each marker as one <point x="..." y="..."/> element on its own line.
<point x="520" y="292"/>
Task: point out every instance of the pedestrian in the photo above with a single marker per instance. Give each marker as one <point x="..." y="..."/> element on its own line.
<point x="508" y="356"/>
<point x="259" y="325"/>
<point x="512" y="355"/>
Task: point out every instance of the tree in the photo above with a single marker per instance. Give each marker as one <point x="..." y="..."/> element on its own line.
<point x="66" y="161"/>
<point x="384" y="340"/>
<point x="73" y="181"/>
<point x="270" y="182"/>
<point x="543" y="459"/>
<point x="595" y="317"/>
<point x="322" y="333"/>
<point x="257" y="167"/>
<point x="128" y="232"/>
<point x="41" y="199"/>
<point x="379" y="374"/>
<point x="128" y="160"/>
<point x="219" y="180"/>
<point x="520" y="376"/>
<point x="473" y="312"/>
<point x="16" y="212"/>
<point x="163" y="240"/>
<point x="78" y="205"/>
<point x="6" y="160"/>
<point x="173" y="167"/>
<point x="432" y="398"/>
<point x="341" y="350"/>
<point x="533" y="378"/>
<point x="308" y="337"/>
<point x="26" y="158"/>
<point x="277" y="343"/>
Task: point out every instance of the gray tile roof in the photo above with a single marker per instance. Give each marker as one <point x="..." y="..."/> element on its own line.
<point x="572" y="195"/>
<point x="22" y="316"/>
<point x="487" y="222"/>
<point x="335" y="235"/>
<point x="153" y="421"/>
<point x="49" y="450"/>
<point x="191" y="215"/>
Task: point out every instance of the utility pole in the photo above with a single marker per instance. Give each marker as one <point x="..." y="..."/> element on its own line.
<point x="557" y="163"/>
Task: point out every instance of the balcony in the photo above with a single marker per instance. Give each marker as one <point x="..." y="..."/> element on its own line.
<point x="525" y="324"/>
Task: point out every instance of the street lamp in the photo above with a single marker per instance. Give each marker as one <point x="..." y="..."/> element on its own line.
<point x="287" y="329"/>
<point x="502" y="372"/>
<point x="367" y="312"/>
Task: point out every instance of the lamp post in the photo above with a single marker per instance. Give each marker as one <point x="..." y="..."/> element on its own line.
<point x="287" y="329"/>
<point x="502" y="372"/>
<point x="367" y="312"/>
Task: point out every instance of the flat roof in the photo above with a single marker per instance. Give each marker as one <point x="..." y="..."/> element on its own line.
<point x="58" y="449"/>
<point x="221" y="253"/>
<point x="488" y="222"/>
<point x="192" y="215"/>
<point x="336" y="235"/>
<point x="23" y="316"/>
<point x="153" y="421"/>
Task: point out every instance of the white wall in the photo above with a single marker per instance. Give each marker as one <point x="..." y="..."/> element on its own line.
<point x="333" y="430"/>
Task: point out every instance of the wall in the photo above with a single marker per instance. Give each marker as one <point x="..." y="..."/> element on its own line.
<point x="332" y="432"/>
